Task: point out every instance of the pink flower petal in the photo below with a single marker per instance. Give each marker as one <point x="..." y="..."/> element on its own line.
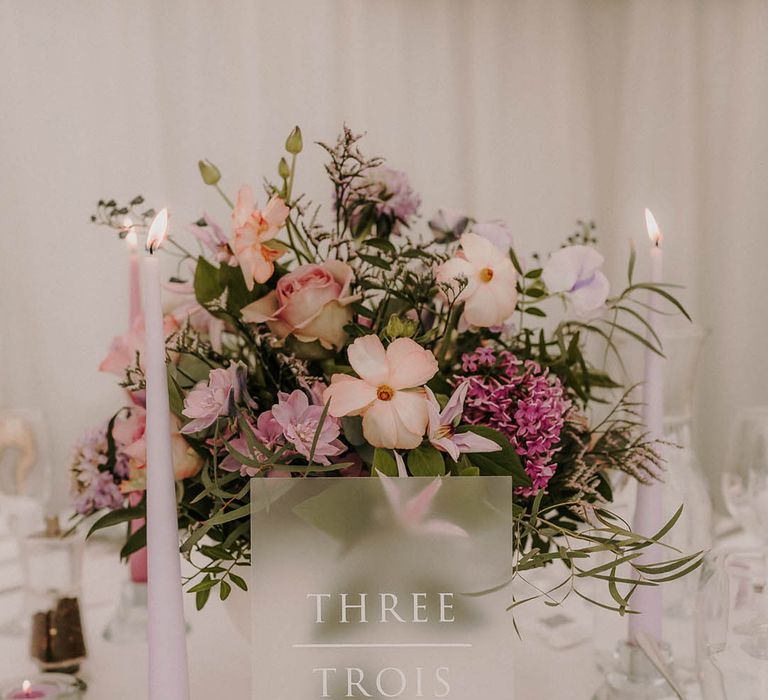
<point x="382" y="427"/>
<point x="348" y="396"/>
<point x="411" y="408"/>
<point x="410" y="365"/>
<point x="368" y="359"/>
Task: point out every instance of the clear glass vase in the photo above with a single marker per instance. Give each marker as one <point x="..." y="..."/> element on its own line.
<point x="52" y="567"/>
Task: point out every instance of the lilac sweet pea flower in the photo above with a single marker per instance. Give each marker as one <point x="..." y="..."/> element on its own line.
<point x="496" y="232"/>
<point x="214" y="398"/>
<point x="299" y="421"/>
<point x="575" y="271"/>
<point x="442" y="426"/>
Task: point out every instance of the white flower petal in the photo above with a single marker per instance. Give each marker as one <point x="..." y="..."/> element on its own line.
<point x="591" y="297"/>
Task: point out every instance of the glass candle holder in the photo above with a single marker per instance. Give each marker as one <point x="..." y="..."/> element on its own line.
<point x="45" y="686"/>
<point x="52" y="567"/>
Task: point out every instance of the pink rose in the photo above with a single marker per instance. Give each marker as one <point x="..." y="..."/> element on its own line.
<point x="311" y="303"/>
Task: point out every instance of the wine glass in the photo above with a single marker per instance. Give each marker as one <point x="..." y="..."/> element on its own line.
<point x="731" y="626"/>
<point x="745" y="479"/>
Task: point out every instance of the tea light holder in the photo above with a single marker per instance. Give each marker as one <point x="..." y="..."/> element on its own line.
<point x="44" y="686"/>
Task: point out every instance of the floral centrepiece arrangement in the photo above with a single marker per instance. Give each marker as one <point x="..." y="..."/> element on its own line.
<point x="364" y="347"/>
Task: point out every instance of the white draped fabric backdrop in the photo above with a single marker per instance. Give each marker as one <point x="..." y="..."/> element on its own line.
<point x="538" y="113"/>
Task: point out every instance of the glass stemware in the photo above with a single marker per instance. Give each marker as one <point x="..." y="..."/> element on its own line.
<point x="745" y="479"/>
<point x="732" y="626"/>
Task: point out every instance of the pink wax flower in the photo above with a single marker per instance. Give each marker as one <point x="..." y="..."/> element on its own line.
<point x="254" y="229"/>
<point x="300" y="420"/>
<point x="389" y="393"/>
<point x="442" y="426"/>
<point x="311" y="303"/>
<point x="211" y="399"/>
<point x="490" y="294"/>
<point x="520" y="400"/>
<point x="124" y="348"/>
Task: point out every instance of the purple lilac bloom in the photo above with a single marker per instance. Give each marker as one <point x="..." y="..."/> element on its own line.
<point x="93" y="489"/>
<point x="520" y="400"/>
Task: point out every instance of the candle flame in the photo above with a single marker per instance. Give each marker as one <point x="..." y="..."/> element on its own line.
<point x="157" y="231"/>
<point x="654" y="232"/>
<point x="26" y="686"/>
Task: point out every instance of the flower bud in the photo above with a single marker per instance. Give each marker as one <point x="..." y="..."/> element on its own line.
<point x="399" y="327"/>
<point x="209" y="172"/>
<point x="294" y="142"/>
<point x="282" y="169"/>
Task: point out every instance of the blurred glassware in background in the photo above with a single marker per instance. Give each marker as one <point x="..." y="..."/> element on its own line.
<point x="53" y="565"/>
<point x="745" y="479"/>
<point x="685" y="484"/>
<point x="731" y="629"/>
<point x="25" y="478"/>
<point x="25" y="461"/>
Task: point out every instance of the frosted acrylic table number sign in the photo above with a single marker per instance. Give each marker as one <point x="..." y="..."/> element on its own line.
<point x="366" y="588"/>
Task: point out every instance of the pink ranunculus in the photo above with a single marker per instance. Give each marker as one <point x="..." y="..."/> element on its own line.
<point x="490" y="294"/>
<point x="300" y="422"/>
<point x="124" y="348"/>
<point x="389" y="393"/>
<point x="211" y="399"/>
<point x="253" y="229"/>
<point x="311" y="303"/>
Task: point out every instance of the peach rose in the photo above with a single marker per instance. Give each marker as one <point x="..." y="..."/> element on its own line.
<point x="311" y="303"/>
<point x="129" y="432"/>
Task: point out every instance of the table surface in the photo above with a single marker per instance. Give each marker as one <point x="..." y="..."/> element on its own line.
<point x="219" y="656"/>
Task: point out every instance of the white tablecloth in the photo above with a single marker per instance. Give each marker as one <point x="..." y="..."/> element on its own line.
<point x="219" y="658"/>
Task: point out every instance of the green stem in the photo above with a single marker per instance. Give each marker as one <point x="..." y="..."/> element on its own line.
<point x="181" y="248"/>
<point x="450" y="324"/>
<point x="224" y="197"/>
